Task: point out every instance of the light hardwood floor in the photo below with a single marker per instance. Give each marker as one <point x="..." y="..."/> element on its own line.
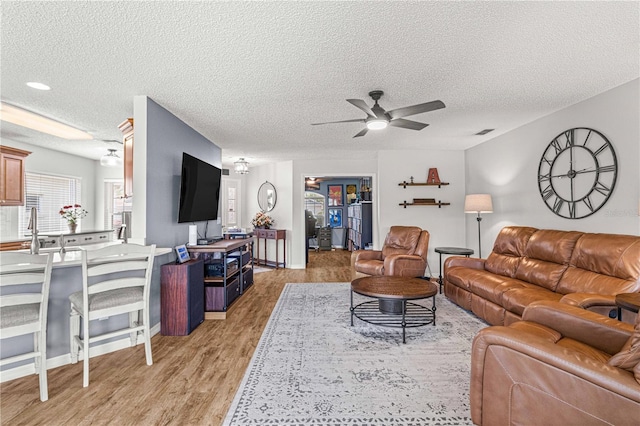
<point x="193" y="378"/>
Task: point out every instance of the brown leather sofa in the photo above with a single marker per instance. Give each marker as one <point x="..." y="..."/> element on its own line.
<point x="553" y="368"/>
<point x="529" y="264"/>
<point x="403" y="254"/>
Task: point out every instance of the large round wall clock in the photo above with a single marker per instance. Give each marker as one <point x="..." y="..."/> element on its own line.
<point x="577" y="173"/>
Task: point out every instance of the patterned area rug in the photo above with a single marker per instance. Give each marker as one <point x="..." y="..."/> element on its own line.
<point x="311" y="367"/>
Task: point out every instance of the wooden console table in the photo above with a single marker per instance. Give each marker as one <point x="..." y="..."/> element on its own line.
<point x="271" y="234"/>
<point x="221" y="290"/>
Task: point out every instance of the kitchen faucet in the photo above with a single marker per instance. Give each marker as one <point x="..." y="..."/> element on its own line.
<point x="34" y="248"/>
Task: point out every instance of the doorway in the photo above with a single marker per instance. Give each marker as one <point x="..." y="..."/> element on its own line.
<point x="333" y="208"/>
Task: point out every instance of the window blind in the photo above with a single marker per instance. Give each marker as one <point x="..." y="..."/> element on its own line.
<point x="48" y="193"/>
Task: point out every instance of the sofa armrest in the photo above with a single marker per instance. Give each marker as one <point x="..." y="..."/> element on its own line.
<point x="603" y="333"/>
<point x="404" y="265"/>
<point x="507" y="361"/>
<point x="589" y="300"/>
<point x="467" y="262"/>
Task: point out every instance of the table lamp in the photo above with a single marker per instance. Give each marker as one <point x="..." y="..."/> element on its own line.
<point x="478" y="203"/>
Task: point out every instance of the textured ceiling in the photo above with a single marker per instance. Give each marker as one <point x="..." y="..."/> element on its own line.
<point x="252" y="76"/>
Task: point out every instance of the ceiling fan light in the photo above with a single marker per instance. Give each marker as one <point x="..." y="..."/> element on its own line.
<point x="377" y="124"/>
<point x="111" y="159"/>
<point x="241" y="166"/>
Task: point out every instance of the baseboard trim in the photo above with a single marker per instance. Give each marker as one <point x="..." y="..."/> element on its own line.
<point x="59" y="361"/>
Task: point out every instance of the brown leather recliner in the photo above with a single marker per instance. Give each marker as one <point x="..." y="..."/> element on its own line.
<point x="552" y="368"/>
<point x="403" y="254"/>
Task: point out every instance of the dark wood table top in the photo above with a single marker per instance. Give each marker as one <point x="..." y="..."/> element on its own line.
<point x="630" y="301"/>
<point x="400" y="288"/>
<point x="454" y="250"/>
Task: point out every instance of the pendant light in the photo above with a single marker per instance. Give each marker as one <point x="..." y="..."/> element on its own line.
<point x="111" y="159"/>
<point x="241" y="166"/>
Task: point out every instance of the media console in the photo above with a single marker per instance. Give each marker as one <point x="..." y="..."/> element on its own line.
<point x="225" y="272"/>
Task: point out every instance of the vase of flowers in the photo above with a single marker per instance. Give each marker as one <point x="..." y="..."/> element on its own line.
<point x="262" y="220"/>
<point x="72" y="214"/>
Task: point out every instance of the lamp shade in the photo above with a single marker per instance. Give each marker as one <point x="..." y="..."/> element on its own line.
<point x="478" y="203"/>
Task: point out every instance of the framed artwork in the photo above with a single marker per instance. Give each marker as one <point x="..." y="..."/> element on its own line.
<point x="335" y="218"/>
<point x="335" y="196"/>
<point x="351" y="194"/>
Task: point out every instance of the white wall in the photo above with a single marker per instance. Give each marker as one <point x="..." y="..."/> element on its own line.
<point x="279" y="174"/>
<point x="445" y="224"/>
<point x="43" y="160"/>
<point x="506" y="167"/>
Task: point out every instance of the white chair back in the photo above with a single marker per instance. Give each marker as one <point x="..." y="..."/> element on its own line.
<point x="23" y="309"/>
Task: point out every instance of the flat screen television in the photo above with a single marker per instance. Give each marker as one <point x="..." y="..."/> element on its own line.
<point x="199" y="190"/>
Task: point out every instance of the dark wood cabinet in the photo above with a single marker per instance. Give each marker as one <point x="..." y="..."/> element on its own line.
<point x="12" y="176"/>
<point x="271" y="234"/>
<point x="181" y="297"/>
<point x="227" y="273"/>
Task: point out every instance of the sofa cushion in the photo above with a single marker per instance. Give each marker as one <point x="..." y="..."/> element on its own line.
<point x="580" y="347"/>
<point x="462" y="277"/>
<point x="591" y="272"/>
<point x="515" y="300"/>
<point x="547" y="256"/>
<point x="492" y="287"/>
<point x="401" y="240"/>
<point x="629" y="356"/>
<point x="508" y="249"/>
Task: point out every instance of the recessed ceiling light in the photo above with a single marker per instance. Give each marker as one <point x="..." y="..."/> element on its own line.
<point x="39" y="86"/>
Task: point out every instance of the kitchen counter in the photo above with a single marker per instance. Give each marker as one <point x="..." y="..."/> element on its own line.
<point x="66" y="278"/>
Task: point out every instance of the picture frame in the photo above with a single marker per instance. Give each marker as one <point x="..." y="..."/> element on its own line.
<point x="182" y="253"/>
<point x="351" y="193"/>
<point x="335" y="218"/>
<point x="335" y="196"/>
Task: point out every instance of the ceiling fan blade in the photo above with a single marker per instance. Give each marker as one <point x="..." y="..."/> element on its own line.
<point x="355" y="120"/>
<point x="415" y="109"/>
<point x="407" y="124"/>
<point x="359" y="103"/>
<point x="362" y="132"/>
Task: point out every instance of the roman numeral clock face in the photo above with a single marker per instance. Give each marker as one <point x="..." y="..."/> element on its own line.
<point x="577" y="173"/>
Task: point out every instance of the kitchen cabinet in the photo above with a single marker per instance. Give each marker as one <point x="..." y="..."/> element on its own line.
<point x="12" y="176"/>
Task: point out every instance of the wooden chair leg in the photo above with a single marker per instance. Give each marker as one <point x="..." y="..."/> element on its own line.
<point x="147" y="338"/>
<point x="133" y="319"/>
<point x="74" y="330"/>
<point x="42" y="371"/>
<point x="85" y="355"/>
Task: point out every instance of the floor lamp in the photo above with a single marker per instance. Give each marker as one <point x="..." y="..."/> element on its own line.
<point x="478" y="203"/>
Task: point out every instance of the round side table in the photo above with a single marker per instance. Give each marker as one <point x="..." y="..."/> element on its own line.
<point x="628" y="301"/>
<point x="459" y="251"/>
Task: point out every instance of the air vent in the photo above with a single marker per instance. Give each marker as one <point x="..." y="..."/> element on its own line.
<point x="225" y="172"/>
<point x="484" y="132"/>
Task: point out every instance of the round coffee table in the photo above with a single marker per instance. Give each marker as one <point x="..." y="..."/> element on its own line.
<point x="391" y="307"/>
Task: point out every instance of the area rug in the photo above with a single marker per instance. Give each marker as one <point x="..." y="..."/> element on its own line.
<point x="311" y="367"/>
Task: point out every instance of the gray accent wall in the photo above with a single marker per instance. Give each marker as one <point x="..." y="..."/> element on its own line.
<point x="164" y="138"/>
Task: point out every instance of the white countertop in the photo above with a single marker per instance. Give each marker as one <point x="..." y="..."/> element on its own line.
<point x="73" y="257"/>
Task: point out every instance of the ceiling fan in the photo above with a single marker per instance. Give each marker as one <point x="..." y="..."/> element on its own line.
<point x="378" y="118"/>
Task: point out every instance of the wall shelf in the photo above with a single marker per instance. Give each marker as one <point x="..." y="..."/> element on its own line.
<point x="439" y="204"/>
<point x="405" y="184"/>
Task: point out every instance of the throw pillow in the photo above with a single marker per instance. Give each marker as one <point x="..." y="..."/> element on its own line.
<point x="629" y="356"/>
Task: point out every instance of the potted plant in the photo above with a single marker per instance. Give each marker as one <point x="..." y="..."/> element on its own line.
<point x="262" y="220"/>
<point x="72" y="214"/>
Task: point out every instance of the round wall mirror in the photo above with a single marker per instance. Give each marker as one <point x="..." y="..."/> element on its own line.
<point x="267" y="196"/>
